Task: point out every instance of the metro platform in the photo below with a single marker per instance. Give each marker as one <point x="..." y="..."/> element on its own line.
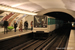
<point x="71" y="42"/>
<point x="70" y="45"/>
<point x="12" y="34"/>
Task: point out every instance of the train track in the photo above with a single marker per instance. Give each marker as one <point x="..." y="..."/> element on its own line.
<point x="58" y="44"/>
<point x="54" y="42"/>
<point x="49" y="44"/>
<point x="33" y="44"/>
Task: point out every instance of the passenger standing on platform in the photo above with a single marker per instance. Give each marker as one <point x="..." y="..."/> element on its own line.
<point x="5" y="26"/>
<point x="20" y="25"/>
<point x="31" y="25"/>
<point x="26" y="25"/>
<point x="15" y="26"/>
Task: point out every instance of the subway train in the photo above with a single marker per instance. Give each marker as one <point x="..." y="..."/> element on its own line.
<point x="46" y="24"/>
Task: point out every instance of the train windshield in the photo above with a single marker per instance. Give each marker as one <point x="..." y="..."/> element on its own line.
<point x="40" y="21"/>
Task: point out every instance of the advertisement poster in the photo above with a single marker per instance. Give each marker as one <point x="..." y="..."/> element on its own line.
<point x="1" y="17"/>
<point x="1" y="22"/>
<point x="21" y="18"/>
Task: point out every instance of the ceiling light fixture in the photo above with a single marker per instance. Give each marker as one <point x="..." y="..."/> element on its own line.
<point x="16" y="10"/>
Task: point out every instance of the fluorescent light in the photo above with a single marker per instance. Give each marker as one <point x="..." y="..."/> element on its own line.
<point x="12" y="9"/>
<point x="19" y="4"/>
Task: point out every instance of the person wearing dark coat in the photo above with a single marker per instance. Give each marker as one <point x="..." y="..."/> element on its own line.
<point x="26" y="25"/>
<point x="5" y="26"/>
<point x="15" y="26"/>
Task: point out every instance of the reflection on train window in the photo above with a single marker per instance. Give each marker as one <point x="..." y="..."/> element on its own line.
<point x="40" y="21"/>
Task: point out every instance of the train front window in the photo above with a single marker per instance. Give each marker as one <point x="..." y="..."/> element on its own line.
<point x="40" y="21"/>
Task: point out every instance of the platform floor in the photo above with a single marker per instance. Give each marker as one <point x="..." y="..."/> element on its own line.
<point x="71" y="43"/>
<point x="13" y="34"/>
<point x="1" y="29"/>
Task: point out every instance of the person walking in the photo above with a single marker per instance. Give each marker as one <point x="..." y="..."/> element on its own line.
<point x="5" y="26"/>
<point x="20" y="25"/>
<point x="15" y="26"/>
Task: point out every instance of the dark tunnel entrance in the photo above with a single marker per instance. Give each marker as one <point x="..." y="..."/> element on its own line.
<point x="61" y="16"/>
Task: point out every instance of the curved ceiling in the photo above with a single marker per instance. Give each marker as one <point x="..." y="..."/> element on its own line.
<point x="60" y="15"/>
<point x="38" y="5"/>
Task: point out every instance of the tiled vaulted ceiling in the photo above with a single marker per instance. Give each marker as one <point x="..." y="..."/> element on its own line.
<point x="38" y="5"/>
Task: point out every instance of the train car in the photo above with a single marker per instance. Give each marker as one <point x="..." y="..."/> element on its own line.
<point x="44" y="24"/>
